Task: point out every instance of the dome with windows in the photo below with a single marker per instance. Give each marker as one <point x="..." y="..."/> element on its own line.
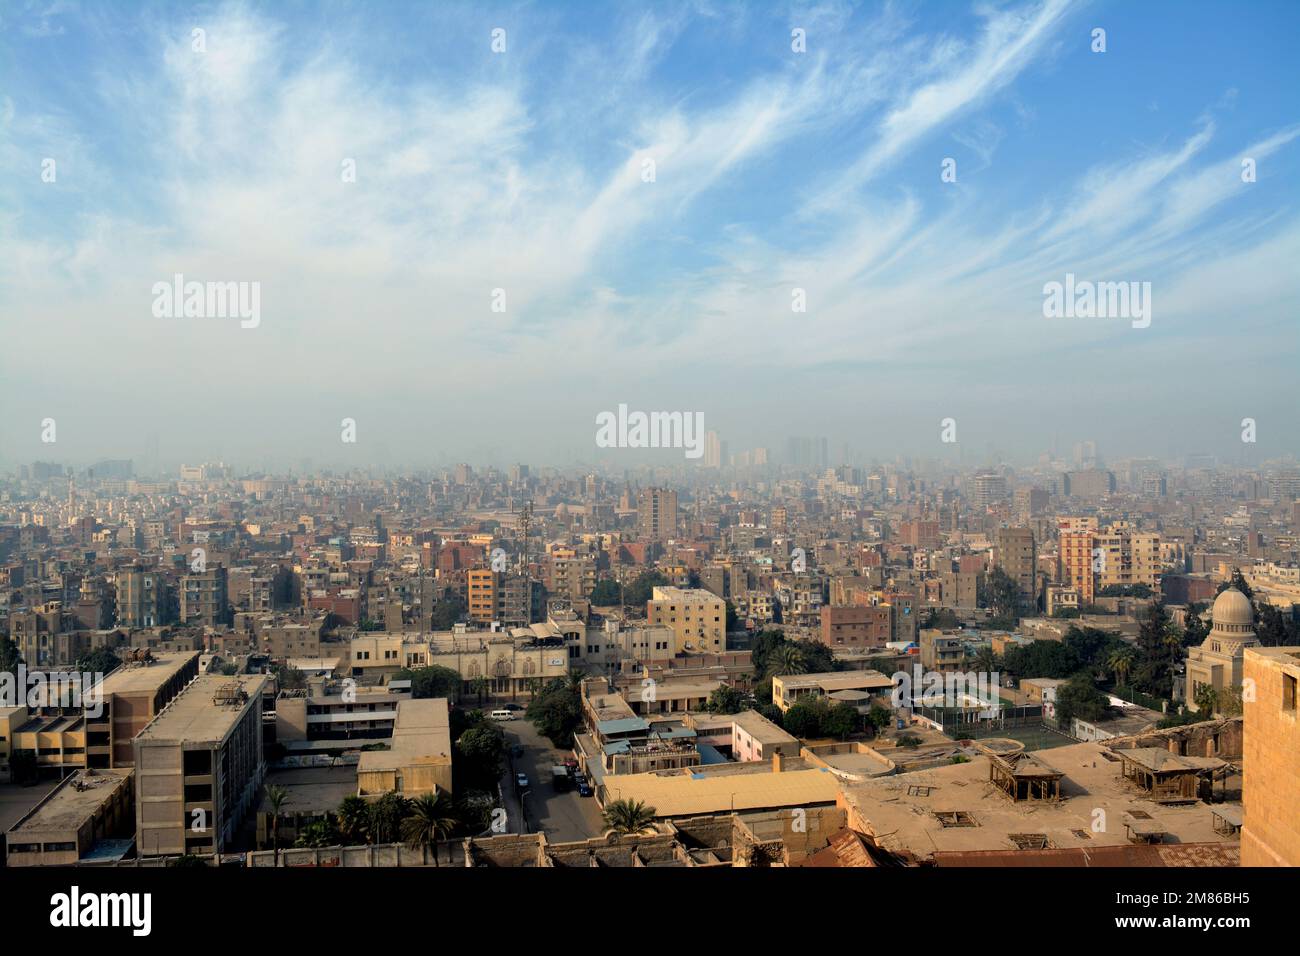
<point x="1234" y="618"/>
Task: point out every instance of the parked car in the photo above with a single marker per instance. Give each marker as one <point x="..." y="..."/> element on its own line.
<point x="521" y="780"/>
<point x="501" y="715"/>
<point x="584" y="788"/>
<point x="512" y="707"/>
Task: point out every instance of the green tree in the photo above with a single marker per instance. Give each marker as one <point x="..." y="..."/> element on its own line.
<point x="840" y="721"/>
<point x="276" y="796"/>
<point x="1206" y="699"/>
<point x="1195" y="630"/>
<point x="1120" y="664"/>
<point x="786" y="661"/>
<point x="479" y="686"/>
<point x="556" y="712"/>
<point x="1274" y="628"/>
<point x="384" y="817"/>
<point x="1153" y="673"/>
<point x="1002" y="594"/>
<point x="481" y="749"/>
<point x="433" y="681"/>
<point x="805" y="718"/>
<point x="627" y="817"/>
<point x="447" y="612"/>
<point x="1079" y="697"/>
<point x="99" y="661"/>
<point x="354" y="820"/>
<point x="725" y="700"/>
<point x="606" y="593"/>
<point x="642" y="589"/>
<point x="318" y="833"/>
<point x="10" y="657"/>
<point x="878" y="718"/>
<point x="1238" y="582"/>
<point x="430" y="819"/>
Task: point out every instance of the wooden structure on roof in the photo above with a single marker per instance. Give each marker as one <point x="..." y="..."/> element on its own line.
<point x="1023" y="776"/>
<point x="1169" y="777"/>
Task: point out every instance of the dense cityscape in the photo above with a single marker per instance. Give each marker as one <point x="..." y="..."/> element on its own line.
<point x="717" y="666"/>
<point x="846" y="449"/>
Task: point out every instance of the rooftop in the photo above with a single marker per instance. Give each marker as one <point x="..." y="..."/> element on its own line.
<point x="72" y="803"/>
<point x="680" y="794"/>
<point x="194" y="716"/>
<point x="837" y="680"/>
<point x="133" y="677"/>
<point x="901" y="811"/>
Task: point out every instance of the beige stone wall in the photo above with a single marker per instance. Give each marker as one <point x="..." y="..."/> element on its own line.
<point x="1271" y="789"/>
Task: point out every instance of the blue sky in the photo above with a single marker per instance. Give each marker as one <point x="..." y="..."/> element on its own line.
<point x="522" y="170"/>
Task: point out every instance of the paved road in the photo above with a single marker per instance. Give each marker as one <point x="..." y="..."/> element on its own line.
<point x="564" y="816"/>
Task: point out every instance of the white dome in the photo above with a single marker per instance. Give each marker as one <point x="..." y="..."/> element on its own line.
<point x="1233" y="607"/>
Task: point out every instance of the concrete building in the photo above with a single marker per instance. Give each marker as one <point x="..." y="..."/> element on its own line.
<point x="857" y="626"/>
<point x="697" y="618"/>
<point x="418" y="761"/>
<point x="1270" y="835"/>
<point x="789" y="690"/>
<point x="656" y="510"/>
<point x="199" y="765"/>
<point x="204" y="598"/>
<point x="1014" y="552"/>
<point x="133" y="695"/>
<point x="87" y="815"/>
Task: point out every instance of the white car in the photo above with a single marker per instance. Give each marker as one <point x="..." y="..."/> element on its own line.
<point x="502" y="715"/>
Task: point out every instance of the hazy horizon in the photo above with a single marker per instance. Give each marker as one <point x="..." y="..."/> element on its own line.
<point x="514" y="175"/>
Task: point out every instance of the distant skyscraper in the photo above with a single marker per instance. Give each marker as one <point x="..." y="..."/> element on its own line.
<point x="712" y="450"/>
<point x="657" y="513"/>
<point x="987" y="489"/>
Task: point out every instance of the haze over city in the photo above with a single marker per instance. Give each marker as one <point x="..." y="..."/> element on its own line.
<point x="499" y="265"/>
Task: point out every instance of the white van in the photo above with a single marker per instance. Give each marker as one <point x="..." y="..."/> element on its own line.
<point x="502" y="715"/>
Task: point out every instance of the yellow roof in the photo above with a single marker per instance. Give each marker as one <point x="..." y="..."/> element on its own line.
<point x="686" y="794"/>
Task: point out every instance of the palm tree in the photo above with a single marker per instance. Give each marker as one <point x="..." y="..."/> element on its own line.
<point x="1121" y="664"/>
<point x="627" y="818"/>
<point x="787" y="660"/>
<point x="430" y="820"/>
<point x="384" y="817"/>
<point x="985" y="660"/>
<point x="354" y="819"/>
<point x="478" y="685"/>
<point x="276" y="797"/>
<point x="574" y="678"/>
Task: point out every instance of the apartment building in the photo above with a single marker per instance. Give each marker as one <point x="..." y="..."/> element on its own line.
<point x="697" y="619"/>
<point x="1014" y="552"/>
<point x="199" y="765"/>
<point x="336" y="711"/>
<point x="142" y="597"/>
<point x="656" y="510"/>
<point x="204" y="598"/>
<point x="857" y="626"/>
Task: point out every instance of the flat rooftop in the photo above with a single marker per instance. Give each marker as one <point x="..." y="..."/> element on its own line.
<point x="681" y="794"/>
<point x="193" y="716"/>
<point x="75" y="801"/>
<point x="762" y="729"/>
<point x="900" y="811"/>
<point x="838" y="680"/>
<point x="134" y="677"/>
<point x="421" y="734"/>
